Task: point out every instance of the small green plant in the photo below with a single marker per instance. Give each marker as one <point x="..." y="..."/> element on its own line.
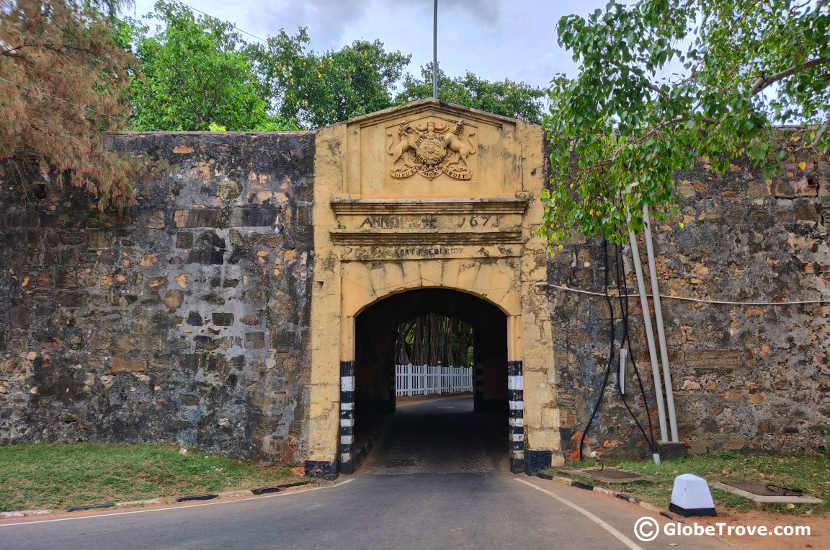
<point x="728" y="455"/>
<point x="827" y="442"/>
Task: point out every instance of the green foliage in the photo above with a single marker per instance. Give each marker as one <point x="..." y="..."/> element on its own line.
<point x="195" y="72"/>
<point x="433" y="339"/>
<point x="198" y="70"/>
<point x="45" y="475"/>
<point x="662" y="83"/>
<point x="507" y="98"/>
<point x="318" y="89"/>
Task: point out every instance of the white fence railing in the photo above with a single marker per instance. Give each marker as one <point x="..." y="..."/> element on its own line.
<point x="432" y="379"/>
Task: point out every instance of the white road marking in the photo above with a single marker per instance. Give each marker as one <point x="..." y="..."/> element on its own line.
<point x="619" y="536"/>
<point x="182" y="507"/>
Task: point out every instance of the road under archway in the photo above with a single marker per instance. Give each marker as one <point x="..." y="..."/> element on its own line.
<point x="463" y="433"/>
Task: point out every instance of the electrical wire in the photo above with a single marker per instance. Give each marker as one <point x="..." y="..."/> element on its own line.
<point x="622" y="292"/>
<point x="598" y="404"/>
<point x="234" y="25"/>
<point x="689" y="299"/>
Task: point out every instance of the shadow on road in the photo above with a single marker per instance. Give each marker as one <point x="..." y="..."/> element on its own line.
<point x="441" y="436"/>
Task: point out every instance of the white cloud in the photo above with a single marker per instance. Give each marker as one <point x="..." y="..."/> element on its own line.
<point x="495" y="39"/>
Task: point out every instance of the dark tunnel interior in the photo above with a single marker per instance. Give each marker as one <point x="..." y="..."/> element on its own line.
<point x="435" y="432"/>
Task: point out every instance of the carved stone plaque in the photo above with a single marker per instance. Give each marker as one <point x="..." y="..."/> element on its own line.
<point x="432" y="147"/>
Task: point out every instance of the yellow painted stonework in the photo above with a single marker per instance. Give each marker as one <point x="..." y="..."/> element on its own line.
<point x="429" y="195"/>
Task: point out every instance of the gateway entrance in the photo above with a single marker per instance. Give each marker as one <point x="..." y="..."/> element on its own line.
<point x="426" y="207"/>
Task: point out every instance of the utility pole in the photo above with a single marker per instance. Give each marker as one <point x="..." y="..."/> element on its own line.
<point x="435" y="50"/>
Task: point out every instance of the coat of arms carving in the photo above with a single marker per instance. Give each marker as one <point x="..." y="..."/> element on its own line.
<point x="432" y="148"/>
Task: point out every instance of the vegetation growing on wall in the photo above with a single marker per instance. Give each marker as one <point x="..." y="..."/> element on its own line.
<point x="661" y="83"/>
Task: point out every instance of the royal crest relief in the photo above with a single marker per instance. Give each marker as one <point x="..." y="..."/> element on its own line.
<point x="432" y="148"/>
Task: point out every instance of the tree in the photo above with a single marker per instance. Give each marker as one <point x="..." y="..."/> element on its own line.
<point x="62" y="83"/>
<point x="196" y="72"/>
<point x="321" y="89"/>
<point x="508" y="98"/>
<point x="661" y="83"/>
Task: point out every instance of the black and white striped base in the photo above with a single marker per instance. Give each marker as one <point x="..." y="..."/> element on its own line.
<point x="346" y="416"/>
<point x="515" y="397"/>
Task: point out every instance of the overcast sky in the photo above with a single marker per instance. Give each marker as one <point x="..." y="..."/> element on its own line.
<point x="492" y="38"/>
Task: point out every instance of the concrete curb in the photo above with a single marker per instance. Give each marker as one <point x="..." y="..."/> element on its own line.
<point x="25" y="513"/>
<point x="610" y="492"/>
<point x="149" y="501"/>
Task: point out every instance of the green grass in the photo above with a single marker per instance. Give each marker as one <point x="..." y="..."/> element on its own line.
<point x="61" y="475"/>
<point x="810" y="474"/>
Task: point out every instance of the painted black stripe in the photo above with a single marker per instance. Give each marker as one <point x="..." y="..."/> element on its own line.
<point x="347" y="414"/>
<point x="514" y="368"/>
<point x="517" y="445"/>
<point x="347" y="397"/>
<point x="346" y="368"/>
<point x="515" y="395"/>
<point x="516" y="413"/>
<point x="518" y="430"/>
<point x="346" y="430"/>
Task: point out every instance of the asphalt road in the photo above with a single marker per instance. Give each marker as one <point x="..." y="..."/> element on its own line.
<point x="409" y="494"/>
<point x="441" y="436"/>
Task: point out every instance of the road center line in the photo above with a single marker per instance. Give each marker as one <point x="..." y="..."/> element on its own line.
<point x="619" y="536"/>
<point x="183" y="507"/>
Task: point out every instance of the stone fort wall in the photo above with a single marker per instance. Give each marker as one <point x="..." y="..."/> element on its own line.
<point x="746" y="378"/>
<point x="185" y="320"/>
<point x="188" y="319"/>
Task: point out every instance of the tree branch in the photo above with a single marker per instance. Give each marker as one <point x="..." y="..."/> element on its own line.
<point x="821" y="132"/>
<point x="638" y="72"/>
<point x="764" y="81"/>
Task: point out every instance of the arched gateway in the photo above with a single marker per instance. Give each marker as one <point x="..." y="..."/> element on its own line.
<point x="440" y="197"/>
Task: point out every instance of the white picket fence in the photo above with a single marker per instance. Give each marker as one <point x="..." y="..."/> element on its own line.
<point x="432" y="379"/>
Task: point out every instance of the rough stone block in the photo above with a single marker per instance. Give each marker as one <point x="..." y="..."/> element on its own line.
<point x="184" y="239"/>
<point x="123" y="364"/>
<point x="252" y="216"/>
<point x="254" y="340"/>
<point x="714" y="359"/>
<point x="223" y="319"/>
<point x="805" y="210"/>
<point x="198" y="217"/>
<point x="173" y="299"/>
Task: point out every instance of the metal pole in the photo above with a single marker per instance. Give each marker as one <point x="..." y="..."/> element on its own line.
<point x="435" y="51"/>
<point x="652" y="349"/>
<point x="661" y="336"/>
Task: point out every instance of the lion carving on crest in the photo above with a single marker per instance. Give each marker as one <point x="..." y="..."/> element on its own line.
<point x="431" y="150"/>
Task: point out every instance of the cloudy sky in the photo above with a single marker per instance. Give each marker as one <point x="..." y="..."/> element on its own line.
<point x="493" y="38"/>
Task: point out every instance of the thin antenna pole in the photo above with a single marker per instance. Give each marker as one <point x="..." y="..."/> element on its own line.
<point x="435" y="51"/>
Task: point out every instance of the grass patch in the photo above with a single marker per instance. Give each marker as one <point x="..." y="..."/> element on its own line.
<point x="61" y="475"/>
<point x="810" y="474"/>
